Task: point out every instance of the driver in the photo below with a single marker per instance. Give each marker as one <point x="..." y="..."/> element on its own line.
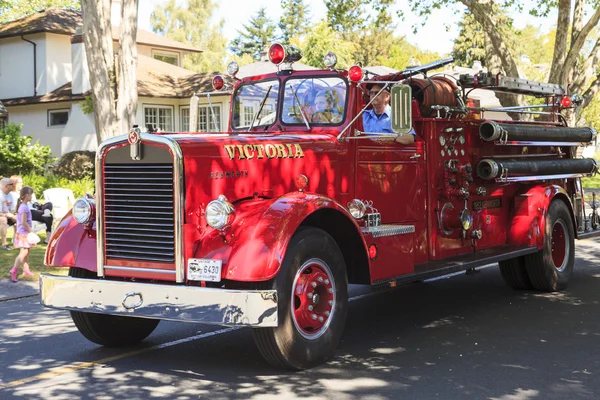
<point x="378" y="119"/>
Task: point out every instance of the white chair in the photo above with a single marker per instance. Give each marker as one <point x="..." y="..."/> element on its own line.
<point x="62" y="201"/>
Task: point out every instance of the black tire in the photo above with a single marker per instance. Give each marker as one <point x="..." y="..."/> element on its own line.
<point x="110" y="330"/>
<point x="550" y="268"/>
<point x="289" y="345"/>
<point x="514" y="273"/>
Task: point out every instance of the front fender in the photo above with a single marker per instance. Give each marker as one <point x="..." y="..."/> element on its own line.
<point x="72" y="245"/>
<point x="528" y="224"/>
<point x="255" y="250"/>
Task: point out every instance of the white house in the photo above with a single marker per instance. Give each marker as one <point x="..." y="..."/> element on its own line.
<point x="44" y="78"/>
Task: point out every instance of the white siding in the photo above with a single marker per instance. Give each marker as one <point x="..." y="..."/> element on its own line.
<point x="16" y="66"/>
<point x="80" y="132"/>
<point x="58" y="61"/>
<point x="35" y="124"/>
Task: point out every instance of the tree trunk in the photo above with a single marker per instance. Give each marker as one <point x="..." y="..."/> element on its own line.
<point x="127" y="61"/>
<point x="560" y="45"/>
<point x="97" y="38"/>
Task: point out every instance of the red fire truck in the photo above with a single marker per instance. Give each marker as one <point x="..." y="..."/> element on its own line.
<point x="266" y="224"/>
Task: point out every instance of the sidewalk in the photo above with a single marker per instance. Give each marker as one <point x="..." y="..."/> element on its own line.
<point x="11" y="291"/>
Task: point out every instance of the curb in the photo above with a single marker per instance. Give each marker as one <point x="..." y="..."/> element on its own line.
<point x="19" y="290"/>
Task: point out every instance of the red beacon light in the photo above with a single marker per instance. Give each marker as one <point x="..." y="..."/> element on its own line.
<point x="218" y="82"/>
<point x="355" y="73"/>
<point x="283" y="54"/>
<point x="566" y="102"/>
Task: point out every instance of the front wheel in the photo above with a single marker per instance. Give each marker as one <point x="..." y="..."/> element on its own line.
<point x="110" y="330"/>
<point x="550" y="268"/>
<point x="312" y="288"/>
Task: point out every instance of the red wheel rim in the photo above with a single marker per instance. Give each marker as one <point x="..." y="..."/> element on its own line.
<point x="559" y="245"/>
<point x="313" y="298"/>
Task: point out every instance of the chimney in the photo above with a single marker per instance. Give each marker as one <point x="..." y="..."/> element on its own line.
<point x="81" y="72"/>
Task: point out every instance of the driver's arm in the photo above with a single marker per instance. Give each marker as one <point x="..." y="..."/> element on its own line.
<point x="407" y="138"/>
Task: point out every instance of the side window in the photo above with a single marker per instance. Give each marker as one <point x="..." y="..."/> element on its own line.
<point x="320" y="101"/>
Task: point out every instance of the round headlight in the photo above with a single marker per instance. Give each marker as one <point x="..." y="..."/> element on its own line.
<point x="84" y="210"/>
<point x="219" y="213"/>
<point x="357" y="208"/>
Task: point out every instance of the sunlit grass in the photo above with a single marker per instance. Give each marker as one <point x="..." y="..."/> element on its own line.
<point x="36" y="260"/>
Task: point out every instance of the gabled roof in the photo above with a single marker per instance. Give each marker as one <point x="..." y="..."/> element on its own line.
<point x="65" y="22"/>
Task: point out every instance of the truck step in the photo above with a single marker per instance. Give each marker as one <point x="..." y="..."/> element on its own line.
<point x="433" y="269"/>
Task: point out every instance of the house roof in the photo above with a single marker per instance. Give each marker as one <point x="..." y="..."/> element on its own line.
<point x="3" y="112"/>
<point x="65" y="22"/>
<point x="152" y="39"/>
<point x="61" y="94"/>
<point x="155" y="79"/>
<point x="266" y="67"/>
<point x="52" y="20"/>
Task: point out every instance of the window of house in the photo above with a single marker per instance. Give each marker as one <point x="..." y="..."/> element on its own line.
<point x="205" y="119"/>
<point x="170" y="58"/>
<point x="158" y="118"/>
<point x="58" y="117"/>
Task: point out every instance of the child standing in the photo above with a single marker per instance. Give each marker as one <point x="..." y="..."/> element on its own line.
<point x="24" y="223"/>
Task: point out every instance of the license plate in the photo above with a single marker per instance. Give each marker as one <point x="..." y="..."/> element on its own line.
<point x="201" y="269"/>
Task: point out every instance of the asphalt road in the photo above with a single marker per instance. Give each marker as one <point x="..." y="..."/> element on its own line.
<point x="464" y="337"/>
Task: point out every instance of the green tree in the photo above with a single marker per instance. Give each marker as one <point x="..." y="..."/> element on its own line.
<point x="295" y="19"/>
<point x="470" y="43"/>
<point x="320" y="40"/>
<point x="11" y="10"/>
<point x="345" y="16"/>
<point x="573" y="64"/>
<point x="257" y="35"/>
<point x="19" y="156"/>
<point x="377" y="36"/>
<point x="191" y="24"/>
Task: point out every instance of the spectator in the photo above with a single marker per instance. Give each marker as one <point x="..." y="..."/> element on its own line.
<point x="379" y="119"/>
<point x="38" y="211"/>
<point x="24" y="228"/>
<point x="7" y="216"/>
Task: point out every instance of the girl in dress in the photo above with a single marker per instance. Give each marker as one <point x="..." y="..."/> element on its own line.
<point x="24" y="223"/>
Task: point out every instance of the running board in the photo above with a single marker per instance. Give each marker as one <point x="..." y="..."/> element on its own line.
<point x="433" y="269"/>
<point x="588" y="234"/>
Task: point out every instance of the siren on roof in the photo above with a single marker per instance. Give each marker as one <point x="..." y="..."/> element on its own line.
<point x="284" y="54"/>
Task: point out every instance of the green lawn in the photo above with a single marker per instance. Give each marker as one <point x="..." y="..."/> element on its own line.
<point x="36" y="260"/>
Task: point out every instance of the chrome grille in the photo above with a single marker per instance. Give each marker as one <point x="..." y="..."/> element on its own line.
<point x="139" y="212"/>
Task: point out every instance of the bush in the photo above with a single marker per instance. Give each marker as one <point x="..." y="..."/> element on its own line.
<point x="19" y="156"/>
<point x="40" y="183"/>
<point x="76" y="165"/>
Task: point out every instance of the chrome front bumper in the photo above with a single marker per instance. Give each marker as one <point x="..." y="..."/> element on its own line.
<point x="175" y="303"/>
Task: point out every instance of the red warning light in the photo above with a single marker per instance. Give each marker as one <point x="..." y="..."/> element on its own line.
<point x="355" y="73"/>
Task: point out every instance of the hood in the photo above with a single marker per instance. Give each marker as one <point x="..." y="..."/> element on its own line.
<point x="241" y="166"/>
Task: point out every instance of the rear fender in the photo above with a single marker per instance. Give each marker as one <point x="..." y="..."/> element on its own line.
<point x="260" y="235"/>
<point x="528" y="222"/>
<point x="72" y="245"/>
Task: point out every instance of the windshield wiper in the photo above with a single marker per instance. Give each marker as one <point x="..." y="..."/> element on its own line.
<point x="300" y="107"/>
<point x="262" y="104"/>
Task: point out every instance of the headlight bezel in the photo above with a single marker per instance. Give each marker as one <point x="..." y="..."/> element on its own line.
<point x="88" y="206"/>
<point x="219" y="213"/>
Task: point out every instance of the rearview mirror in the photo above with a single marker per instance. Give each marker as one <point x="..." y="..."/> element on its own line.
<point x="401" y="108"/>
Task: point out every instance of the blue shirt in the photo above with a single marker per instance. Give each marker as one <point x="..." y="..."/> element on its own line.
<point x="381" y="123"/>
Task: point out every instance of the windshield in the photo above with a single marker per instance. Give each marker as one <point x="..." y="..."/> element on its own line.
<point x="248" y="100"/>
<point x="322" y="101"/>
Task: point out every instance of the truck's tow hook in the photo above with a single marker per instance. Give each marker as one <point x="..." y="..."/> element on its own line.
<point x="128" y="300"/>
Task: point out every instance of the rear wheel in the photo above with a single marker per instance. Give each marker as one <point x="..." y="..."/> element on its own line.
<point x="110" y="330"/>
<point x="514" y="273"/>
<point x="313" y="301"/>
<point x="550" y="268"/>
